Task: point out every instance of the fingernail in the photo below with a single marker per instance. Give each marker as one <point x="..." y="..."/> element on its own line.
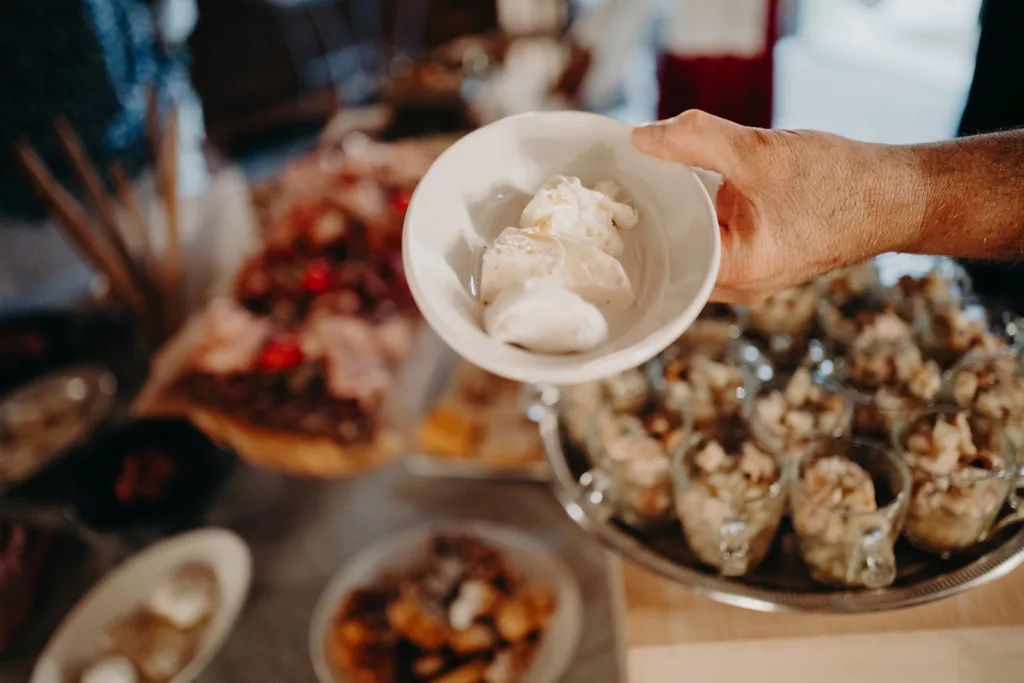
<point x="649" y="135"/>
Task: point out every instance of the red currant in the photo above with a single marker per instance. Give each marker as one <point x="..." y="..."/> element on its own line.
<point x="317" y="277"/>
<point x="400" y="201"/>
<point x="281" y="354"/>
<point x="347" y="179"/>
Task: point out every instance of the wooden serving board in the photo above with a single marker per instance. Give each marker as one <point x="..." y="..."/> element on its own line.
<point x="274" y="449"/>
<point x="672" y="634"/>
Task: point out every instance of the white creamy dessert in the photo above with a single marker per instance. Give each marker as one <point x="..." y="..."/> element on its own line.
<point x="638" y="461"/>
<point x="626" y="392"/>
<point x="187" y="597"/>
<point x="564" y="208"/>
<point x="886" y="365"/>
<point x="991" y="386"/>
<point x="960" y="484"/>
<point x="541" y="315"/>
<point x="704" y="383"/>
<point x="111" y="669"/>
<point x="951" y="332"/>
<point x="518" y="256"/>
<point x="788" y="419"/>
<point x="723" y="487"/>
<point x="833" y="504"/>
<point x="790" y="312"/>
<point x="541" y="283"/>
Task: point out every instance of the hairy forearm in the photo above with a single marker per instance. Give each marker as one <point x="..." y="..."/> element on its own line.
<point x="974" y="197"/>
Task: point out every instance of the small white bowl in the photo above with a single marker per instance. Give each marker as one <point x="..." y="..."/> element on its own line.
<point x="481" y="184"/>
<point x="127" y="587"/>
<point x="397" y="553"/>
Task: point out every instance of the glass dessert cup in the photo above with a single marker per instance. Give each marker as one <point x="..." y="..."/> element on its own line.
<point x="626" y="392"/>
<point x="632" y="452"/>
<point x="717" y="325"/>
<point x="990" y="384"/>
<point x="951" y="332"/>
<point x="784" y="325"/>
<point x="946" y="283"/>
<point x="841" y="544"/>
<point x="707" y="382"/>
<point x="840" y="322"/>
<point x="729" y="525"/>
<point x="789" y="413"/>
<point x="953" y="507"/>
<point x="887" y="381"/>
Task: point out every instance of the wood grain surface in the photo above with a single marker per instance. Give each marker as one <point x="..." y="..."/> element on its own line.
<point x="673" y="634"/>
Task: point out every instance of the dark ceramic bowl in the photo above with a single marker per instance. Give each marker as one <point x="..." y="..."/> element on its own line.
<point x="155" y="473"/>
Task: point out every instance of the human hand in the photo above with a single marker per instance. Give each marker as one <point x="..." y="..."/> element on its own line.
<point x="793" y="204"/>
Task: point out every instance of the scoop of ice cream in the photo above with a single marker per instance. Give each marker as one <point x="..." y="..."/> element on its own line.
<point x="186" y="598"/>
<point x="112" y="669"/>
<point x="518" y="255"/>
<point x="564" y="207"/>
<point x="541" y="315"/>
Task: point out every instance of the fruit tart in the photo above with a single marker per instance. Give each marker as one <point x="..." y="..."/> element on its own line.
<point x="336" y="236"/>
<point x="327" y="377"/>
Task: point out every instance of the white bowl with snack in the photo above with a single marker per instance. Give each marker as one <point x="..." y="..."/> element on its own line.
<point x="545" y="248"/>
<point x="449" y="601"/>
<point x="161" y="615"/>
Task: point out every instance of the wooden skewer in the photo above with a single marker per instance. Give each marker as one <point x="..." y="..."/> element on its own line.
<point x="153" y="123"/>
<point x="167" y="176"/>
<point x="72" y="216"/>
<point x="97" y="194"/>
<point x="136" y="223"/>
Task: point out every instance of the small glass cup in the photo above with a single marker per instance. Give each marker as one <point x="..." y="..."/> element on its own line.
<point x="950" y="512"/>
<point x="840" y="315"/>
<point x="991" y="385"/>
<point x="784" y="324"/>
<point x="633" y="450"/>
<point x="880" y="399"/>
<point x="847" y="284"/>
<point x="670" y="375"/>
<point x="917" y="295"/>
<point x="825" y="411"/>
<point x="843" y="547"/>
<point x="951" y="332"/>
<point x="732" y="535"/>
<point x="628" y="391"/>
<point x="717" y="325"/>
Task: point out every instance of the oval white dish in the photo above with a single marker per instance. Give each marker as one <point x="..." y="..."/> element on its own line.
<point x="76" y="642"/>
<point x="528" y="556"/>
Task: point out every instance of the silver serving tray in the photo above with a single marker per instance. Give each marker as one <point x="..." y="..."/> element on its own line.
<point x="781" y="582"/>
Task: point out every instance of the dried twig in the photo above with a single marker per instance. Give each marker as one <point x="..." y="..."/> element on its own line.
<point x="73" y="217"/>
<point x="136" y="223"/>
<point x="101" y="203"/>
<point x="167" y="177"/>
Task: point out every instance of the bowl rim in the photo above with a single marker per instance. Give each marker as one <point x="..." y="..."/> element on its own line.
<point x="570" y="373"/>
<point x="507" y="539"/>
<point x="232" y="547"/>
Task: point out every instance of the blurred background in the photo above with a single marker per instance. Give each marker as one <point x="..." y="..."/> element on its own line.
<point x="256" y="80"/>
<point x="223" y="175"/>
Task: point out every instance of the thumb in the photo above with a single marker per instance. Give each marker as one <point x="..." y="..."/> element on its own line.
<point x="694" y="138"/>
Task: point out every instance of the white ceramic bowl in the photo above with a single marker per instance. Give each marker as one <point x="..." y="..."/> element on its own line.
<point x="481" y="184"/>
<point x="126" y="588"/>
<point x="528" y="556"/>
